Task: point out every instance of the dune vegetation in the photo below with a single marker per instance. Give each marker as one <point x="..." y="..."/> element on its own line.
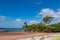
<point x="43" y="26"/>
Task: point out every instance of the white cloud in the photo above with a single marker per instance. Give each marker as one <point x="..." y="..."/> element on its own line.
<point x="18" y="20"/>
<point x="33" y="21"/>
<point x="47" y="12"/>
<point x="2" y="19"/>
<point x="10" y="23"/>
<point x="50" y="12"/>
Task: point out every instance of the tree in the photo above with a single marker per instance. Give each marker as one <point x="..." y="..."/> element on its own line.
<point x="25" y="25"/>
<point x="47" y="19"/>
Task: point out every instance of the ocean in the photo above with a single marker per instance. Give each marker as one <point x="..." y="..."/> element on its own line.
<point x="10" y="29"/>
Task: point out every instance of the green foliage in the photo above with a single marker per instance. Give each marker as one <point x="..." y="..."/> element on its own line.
<point x="56" y="27"/>
<point x="32" y="27"/>
<point x="43" y="27"/>
<point x="37" y="28"/>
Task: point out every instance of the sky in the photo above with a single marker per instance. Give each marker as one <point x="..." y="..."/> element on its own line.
<point x="13" y="13"/>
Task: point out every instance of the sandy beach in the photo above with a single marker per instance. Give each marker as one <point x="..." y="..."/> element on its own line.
<point x="18" y="35"/>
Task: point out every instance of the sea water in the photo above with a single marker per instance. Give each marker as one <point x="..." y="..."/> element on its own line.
<point x="10" y="29"/>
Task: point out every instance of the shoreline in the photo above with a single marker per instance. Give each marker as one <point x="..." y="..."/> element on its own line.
<point x="19" y="35"/>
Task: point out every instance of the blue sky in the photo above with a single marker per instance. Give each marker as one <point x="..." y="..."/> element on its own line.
<point x="14" y="12"/>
